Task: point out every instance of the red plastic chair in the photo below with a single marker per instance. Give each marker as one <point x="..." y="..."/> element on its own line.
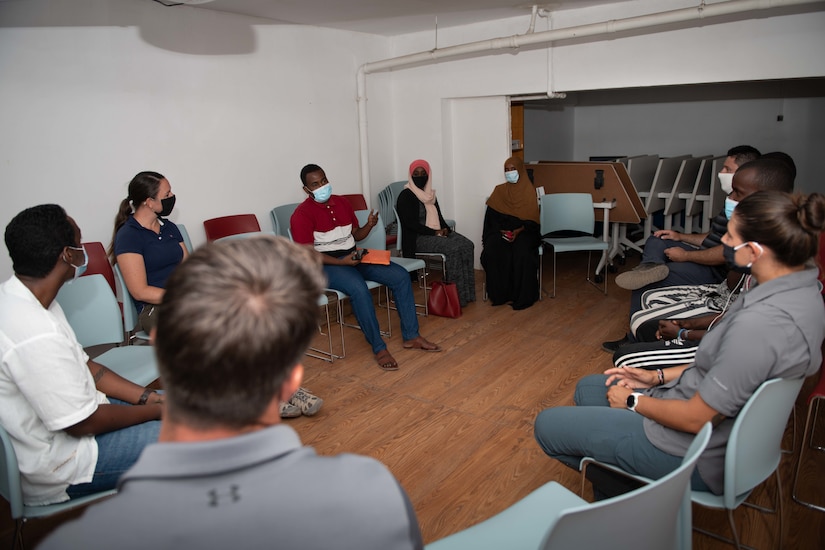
<point x="357" y="201"/>
<point x="814" y="398"/>
<point x="99" y="263"/>
<point x="224" y="226"/>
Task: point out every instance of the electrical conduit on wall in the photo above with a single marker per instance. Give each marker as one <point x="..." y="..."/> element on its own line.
<point x="494" y="45"/>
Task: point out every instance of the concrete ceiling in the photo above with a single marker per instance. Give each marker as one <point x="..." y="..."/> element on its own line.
<point x="385" y="17"/>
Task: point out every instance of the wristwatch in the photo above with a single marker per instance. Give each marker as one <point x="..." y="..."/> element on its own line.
<point x="633" y="400"/>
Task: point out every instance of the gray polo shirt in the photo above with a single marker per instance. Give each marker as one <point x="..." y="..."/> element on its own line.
<point x="774" y="330"/>
<point x="258" y="490"/>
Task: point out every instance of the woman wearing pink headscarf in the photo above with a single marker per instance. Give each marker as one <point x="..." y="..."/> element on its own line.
<point x="425" y="230"/>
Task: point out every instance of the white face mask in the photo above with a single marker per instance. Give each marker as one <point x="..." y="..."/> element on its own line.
<point x="726" y="180"/>
<point x="511" y="176"/>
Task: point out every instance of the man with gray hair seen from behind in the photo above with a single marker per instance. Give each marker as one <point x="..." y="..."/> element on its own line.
<point x="235" y="321"/>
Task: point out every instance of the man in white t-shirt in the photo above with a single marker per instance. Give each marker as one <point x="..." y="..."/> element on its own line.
<point x="70" y="439"/>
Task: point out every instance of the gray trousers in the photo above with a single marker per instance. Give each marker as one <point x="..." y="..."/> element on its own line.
<point x="613" y="436"/>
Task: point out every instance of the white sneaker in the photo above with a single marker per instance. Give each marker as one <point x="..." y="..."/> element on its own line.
<point x="307" y="403"/>
<point x="288" y="410"/>
<point x="642" y="275"/>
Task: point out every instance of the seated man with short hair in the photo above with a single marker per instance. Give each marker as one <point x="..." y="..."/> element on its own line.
<point x="327" y="223"/>
<point x="757" y="175"/>
<point x="236" y="319"/>
<point x="671" y="258"/>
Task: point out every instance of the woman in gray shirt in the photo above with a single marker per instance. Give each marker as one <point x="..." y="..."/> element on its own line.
<point x="644" y="420"/>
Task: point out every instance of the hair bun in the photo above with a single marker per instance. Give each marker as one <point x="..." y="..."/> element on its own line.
<point x="811" y="212"/>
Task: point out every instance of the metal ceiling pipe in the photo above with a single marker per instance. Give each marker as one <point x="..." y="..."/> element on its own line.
<point x="698" y="13"/>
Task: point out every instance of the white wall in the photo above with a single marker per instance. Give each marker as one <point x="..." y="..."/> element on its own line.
<point x="94" y="91"/>
<point x="230" y="107"/>
<point x="695" y="128"/>
<point x="766" y="48"/>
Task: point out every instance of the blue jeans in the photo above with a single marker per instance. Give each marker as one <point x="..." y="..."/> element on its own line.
<point x="351" y="281"/>
<point x="613" y="436"/>
<point x="117" y="451"/>
<point x="681" y="273"/>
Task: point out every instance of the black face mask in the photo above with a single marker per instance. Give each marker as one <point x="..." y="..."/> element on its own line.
<point x="729" y="254"/>
<point x="420" y="181"/>
<point x="167" y="205"/>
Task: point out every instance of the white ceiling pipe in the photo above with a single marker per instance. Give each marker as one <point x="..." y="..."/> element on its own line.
<point x="700" y="12"/>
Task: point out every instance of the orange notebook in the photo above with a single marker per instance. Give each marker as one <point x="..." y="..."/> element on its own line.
<point x="374" y="256"/>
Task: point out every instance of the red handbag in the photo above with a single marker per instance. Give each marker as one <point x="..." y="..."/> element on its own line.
<point x="443" y="300"/>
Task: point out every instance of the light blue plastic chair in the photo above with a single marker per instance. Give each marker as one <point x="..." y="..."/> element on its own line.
<point x="386" y="201"/>
<point x="91" y="308"/>
<point x="752" y="454"/>
<point x="280" y="218"/>
<point x="570" y="212"/>
<point x="187" y="242"/>
<point x="378" y="237"/>
<point x="130" y="315"/>
<point x="11" y="490"/>
<point x="554" y="518"/>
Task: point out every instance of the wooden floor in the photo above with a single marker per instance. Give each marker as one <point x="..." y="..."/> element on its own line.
<point x="456" y="427"/>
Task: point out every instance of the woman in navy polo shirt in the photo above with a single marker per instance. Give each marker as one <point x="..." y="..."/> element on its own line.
<point x="145" y="244"/>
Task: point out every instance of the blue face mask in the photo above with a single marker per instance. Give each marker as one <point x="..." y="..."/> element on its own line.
<point x="79" y="270"/>
<point x="511" y="176"/>
<point x="730" y="204"/>
<point x="323" y="193"/>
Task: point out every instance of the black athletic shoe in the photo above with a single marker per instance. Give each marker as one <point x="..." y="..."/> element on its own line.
<point x="611" y="347"/>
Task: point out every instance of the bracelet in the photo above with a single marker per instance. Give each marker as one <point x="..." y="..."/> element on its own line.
<point x="145" y="396"/>
<point x="679" y="334"/>
<point x="661" y="377"/>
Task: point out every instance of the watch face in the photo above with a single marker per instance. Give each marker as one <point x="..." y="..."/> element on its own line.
<point x="631" y="401"/>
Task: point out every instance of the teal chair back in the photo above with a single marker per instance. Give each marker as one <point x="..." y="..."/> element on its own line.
<point x="280" y="218"/>
<point x="753" y="453"/>
<point x="755" y="445"/>
<point x="553" y="518"/>
<point x="11" y="490"/>
<point x="187" y="242"/>
<point x="387" y="198"/>
<point x="130" y="316"/>
<point x="660" y="501"/>
<point x="377" y="238"/>
<point x="572" y="214"/>
<point x="567" y="212"/>
<point x="92" y="310"/>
